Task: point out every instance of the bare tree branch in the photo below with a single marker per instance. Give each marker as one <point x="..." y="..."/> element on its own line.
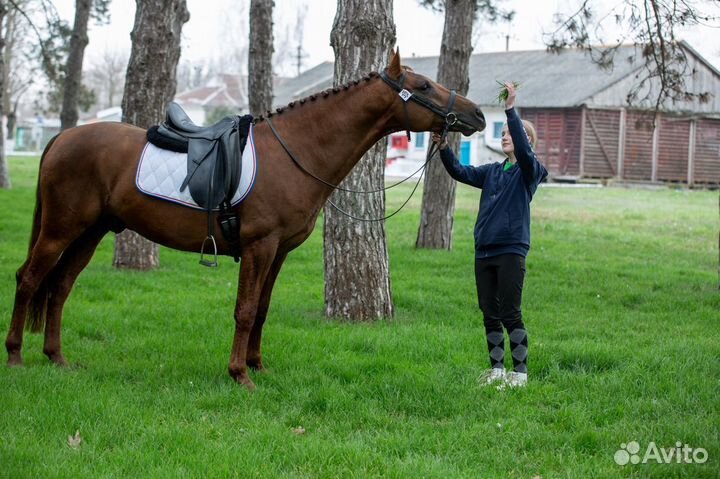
<point x="55" y="27"/>
<point x="652" y="26"/>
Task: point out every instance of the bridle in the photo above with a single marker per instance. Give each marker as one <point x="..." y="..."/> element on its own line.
<point x="406" y="95"/>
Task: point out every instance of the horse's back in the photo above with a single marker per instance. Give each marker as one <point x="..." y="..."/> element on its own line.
<point x="89" y="161"/>
<point x="98" y="151"/>
<point x="103" y="141"/>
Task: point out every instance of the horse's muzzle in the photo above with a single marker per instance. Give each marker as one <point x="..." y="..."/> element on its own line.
<point x="467" y="124"/>
<point x="481" y="119"/>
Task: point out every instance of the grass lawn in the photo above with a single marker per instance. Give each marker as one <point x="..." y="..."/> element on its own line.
<point x="621" y="303"/>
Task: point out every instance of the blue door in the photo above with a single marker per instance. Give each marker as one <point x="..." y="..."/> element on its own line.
<point x="465" y="153"/>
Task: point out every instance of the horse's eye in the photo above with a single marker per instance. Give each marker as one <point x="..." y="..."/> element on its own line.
<point x="426" y="86"/>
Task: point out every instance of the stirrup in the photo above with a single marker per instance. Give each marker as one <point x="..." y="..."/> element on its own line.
<point x="205" y="262"/>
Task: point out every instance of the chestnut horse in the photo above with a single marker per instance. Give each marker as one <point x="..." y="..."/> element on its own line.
<point x="86" y="188"/>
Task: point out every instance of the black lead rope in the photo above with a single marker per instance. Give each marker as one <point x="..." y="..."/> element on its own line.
<point x="335" y="187"/>
<point x="417" y="183"/>
<point x="434" y="148"/>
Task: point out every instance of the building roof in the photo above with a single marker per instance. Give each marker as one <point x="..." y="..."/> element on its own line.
<point x="223" y="90"/>
<point x="548" y="80"/>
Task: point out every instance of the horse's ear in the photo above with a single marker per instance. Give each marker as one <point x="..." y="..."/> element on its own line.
<point x="394" y="68"/>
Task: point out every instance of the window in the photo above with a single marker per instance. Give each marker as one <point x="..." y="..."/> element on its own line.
<point x="420" y="140"/>
<point x="497" y="129"/>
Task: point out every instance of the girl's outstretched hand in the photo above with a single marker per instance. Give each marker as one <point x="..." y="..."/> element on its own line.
<point x="436" y="138"/>
<point x="512" y="93"/>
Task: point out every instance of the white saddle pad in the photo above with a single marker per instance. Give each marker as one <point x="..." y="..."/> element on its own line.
<point x="161" y="172"/>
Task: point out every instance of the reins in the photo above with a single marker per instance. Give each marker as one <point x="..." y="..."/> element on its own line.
<point x="406" y="95"/>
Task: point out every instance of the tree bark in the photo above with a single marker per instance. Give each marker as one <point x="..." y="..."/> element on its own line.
<point x="260" y="81"/>
<point x="149" y="85"/>
<point x="438" y="202"/>
<point x="11" y="119"/>
<point x="4" y="173"/>
<point x="10" y="34"/>
<point x="16" y="69"/>
<point x="357" y="276"/>
<point x="73" y="68"/>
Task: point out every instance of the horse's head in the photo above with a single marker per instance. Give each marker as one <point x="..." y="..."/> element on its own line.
<point x="424" y="105"/>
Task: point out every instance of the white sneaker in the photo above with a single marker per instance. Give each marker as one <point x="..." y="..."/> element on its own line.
<point x="491" y="376"/>
<point x="516" y="380"/>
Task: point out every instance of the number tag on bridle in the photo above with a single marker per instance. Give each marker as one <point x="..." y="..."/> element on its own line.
<point x="405" y="95"/>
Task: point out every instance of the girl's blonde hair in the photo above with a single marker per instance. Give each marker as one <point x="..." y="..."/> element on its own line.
<point x="532" y="134"/>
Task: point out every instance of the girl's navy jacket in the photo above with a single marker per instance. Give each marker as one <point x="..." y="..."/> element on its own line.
<point x="503" y="222"/>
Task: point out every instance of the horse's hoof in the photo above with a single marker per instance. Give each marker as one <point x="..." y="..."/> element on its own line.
<point x="255" y="364"/>
<point x="58" y="360"/>
<point x="241" y="377"/>
<point x="245" y="381"/>
<point x="14" y="359"/>
<point x="14" y="363"/>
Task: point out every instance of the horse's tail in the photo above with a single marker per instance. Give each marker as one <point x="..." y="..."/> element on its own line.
<point x="38" y="304"/>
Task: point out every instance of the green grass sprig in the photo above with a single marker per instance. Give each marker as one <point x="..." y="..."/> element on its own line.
<point x="503" y="93"/>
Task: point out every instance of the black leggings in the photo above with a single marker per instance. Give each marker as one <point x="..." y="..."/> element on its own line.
<point x="499" y="282"/>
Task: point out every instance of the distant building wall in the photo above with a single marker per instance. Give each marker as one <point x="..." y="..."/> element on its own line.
<point x="34" y="137"/>
<point x="627" y="144"/>
<point x="559" y="138"/>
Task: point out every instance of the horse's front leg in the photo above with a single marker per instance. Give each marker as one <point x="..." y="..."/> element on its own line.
<point x="257" y="259"/>
<point x="254" y="358"/>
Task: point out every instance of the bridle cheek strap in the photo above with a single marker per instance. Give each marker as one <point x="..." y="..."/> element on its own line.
<point x="405" y="99"/>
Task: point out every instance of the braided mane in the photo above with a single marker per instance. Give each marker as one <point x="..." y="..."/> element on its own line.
<point x="313" y="97"/>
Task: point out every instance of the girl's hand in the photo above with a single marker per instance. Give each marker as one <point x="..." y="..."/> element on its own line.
<point x="512" y="93"/>
<point x="436" y="139"/>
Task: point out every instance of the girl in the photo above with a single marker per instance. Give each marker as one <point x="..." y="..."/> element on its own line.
<point x="502" y="238"/>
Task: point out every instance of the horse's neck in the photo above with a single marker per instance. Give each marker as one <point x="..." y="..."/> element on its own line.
<point x="330" y="135"/>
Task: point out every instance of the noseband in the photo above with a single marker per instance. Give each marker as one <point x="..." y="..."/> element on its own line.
<point x="407" y="95"/>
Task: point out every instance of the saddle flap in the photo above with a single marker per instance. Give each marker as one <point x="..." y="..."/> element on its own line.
<point x="198" y="151"/>
<point x="205" y="173"/>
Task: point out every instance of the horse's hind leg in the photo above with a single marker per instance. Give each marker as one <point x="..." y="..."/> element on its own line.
<point x="43" y="257"/>
<point x="254" y="357"/>
<point x="60" y="282"/>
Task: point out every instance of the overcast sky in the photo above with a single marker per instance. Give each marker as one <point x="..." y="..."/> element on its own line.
<point x="419" y="31"/>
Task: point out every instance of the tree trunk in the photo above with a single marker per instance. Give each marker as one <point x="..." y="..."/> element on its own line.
<point x="357" y="276"/>
<point x="260" y="81"/>
<point x="438" y="202"/>
<point x="4" y="173"/>
<point x="10" y="40"/>
<point x="149" y="85"/>
<point x="132" y="251"/>
<point x="73" y="68"/>
<point x="11" y="119"/>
